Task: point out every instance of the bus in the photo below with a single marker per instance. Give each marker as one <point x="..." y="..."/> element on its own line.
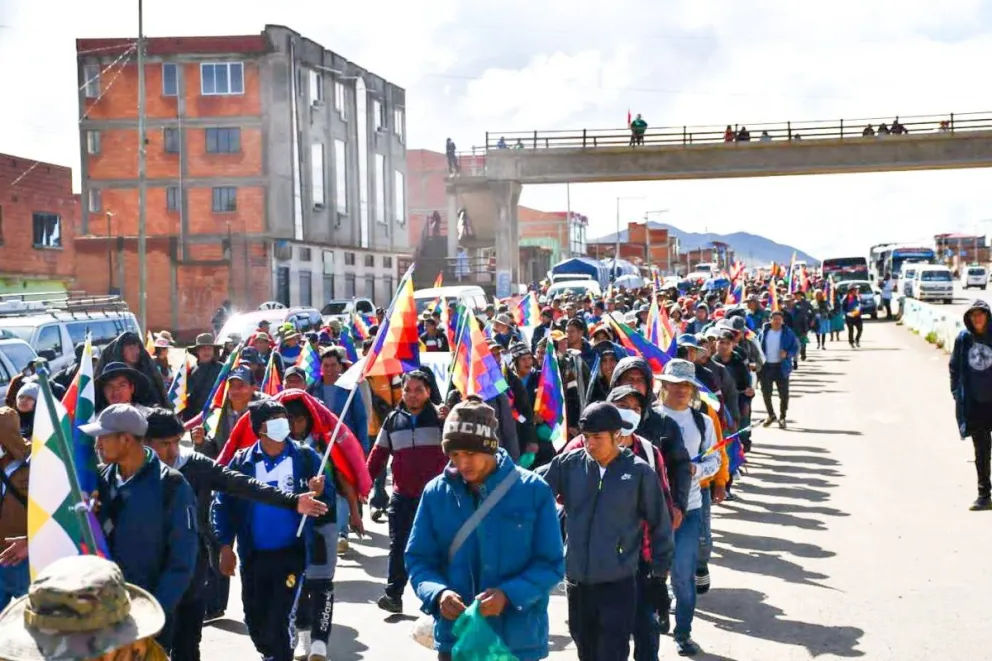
<point x="877" y="257"/>
<point x="900" y="255"/>
<point x="845" y="268"/>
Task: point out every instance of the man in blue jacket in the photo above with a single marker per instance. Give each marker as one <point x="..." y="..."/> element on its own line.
<point x="780" y="346"/>
<point x="273" y="558"/>
<point x="509" y="562"/>
<point x="147" y="511"/>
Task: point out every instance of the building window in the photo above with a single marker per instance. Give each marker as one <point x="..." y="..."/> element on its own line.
<point x="170" y="79"/>
<point x="225" y="199"/>
<point x="362" y="135"/>
<point x="92" y="142"/>
<point x="387" y="263"/>
<point x="316" y="87"/>
<point x="46" y="230"/>
<point x="349" y="259"/>
<point x="340" y="177"/>
<point x="378" y="116"/>
<point x="317" y="175"/>
<point x="305" y="254"/>
<point x="399" y="197"/>
<point x="170" y="138"/>
<point x="223" y="141"/>
<point x="328" y="287"/>
<point x="370" y="287"/>
<point x="94" y="203"/>
<point x="172" y="198"/>
<point x="349" y="285"/>
<point x="91" y="80"/>
<point x="218" y="78"/>
<point x="339" y="104"/>
<point x="370" y="261"/>
<point x="380" y="188"/>
<point x="398" y="123"/>
<point x="306" y="289"/>
<point x="387" y="283"/>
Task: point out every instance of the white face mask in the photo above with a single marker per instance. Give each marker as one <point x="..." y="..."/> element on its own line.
<point x="630" y="417"/>
<point x="277" y="429"/>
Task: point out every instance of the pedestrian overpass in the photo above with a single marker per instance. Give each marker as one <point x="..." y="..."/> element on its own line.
<point x="492" y="183"/>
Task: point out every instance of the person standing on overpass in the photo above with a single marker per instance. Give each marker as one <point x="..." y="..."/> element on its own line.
<point x="971" y="385"/>
<point x="637" y="129"/>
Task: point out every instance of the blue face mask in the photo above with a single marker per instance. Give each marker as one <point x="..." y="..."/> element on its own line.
<point x="277" y="429"/>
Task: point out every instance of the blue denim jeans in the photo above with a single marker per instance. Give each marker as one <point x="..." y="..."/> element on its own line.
<point x="344" y="513"/>
<point x="684" y="571"/>
<point x="14" y="583"/>
<point x="705" y="531"/>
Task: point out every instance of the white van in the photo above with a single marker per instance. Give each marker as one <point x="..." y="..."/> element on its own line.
<point x="472" y="297"/>
<point x="974" y="276"/>
<point x="906" y="281"/>
<point x="577" y="289"/>
<point x="933" y="282"/>
<point x="54" y="326"/>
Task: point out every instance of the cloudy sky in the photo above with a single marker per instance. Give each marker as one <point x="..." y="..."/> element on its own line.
<point x="517" y="65"/>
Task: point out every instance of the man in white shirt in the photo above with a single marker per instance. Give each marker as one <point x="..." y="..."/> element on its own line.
<point x="888" y="288"/>
<point x="679" y="389"/>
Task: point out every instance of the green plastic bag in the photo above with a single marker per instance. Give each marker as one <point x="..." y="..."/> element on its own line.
<point x="527" y="459"/>
<point x="476" y="639"/>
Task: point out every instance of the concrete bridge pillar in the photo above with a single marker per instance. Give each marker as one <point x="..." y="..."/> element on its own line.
<point x="506" y="195"/>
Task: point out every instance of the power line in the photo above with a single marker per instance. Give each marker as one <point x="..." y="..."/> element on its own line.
<point x="103" y="93"/>
<point x="101" y="49"/>
<point x="106" y="69"/>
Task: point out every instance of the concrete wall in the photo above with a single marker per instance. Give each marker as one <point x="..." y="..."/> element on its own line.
<point x="751" y="159"/>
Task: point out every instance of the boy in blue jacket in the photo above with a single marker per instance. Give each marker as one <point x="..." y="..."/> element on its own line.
<point x="509" y="562"/>
<point x="273" y="558"/>
<point x="781" y="346"/>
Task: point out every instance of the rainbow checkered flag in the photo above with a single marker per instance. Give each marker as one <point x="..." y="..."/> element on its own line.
<point x="309" y="360"/>
<point x="396" y="348"/>
<point x="178" y="391"/>
<point x="549" y="402"/>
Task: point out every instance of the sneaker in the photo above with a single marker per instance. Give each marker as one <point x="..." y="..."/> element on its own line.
<point x="769" y="421"/>
<point x="686" y="646"/>
<point x="318" y="651"/>
<point x="702" y="580"/>
<point x="981" y="503"/>
<point x="858" y="344"/>
<point x="390" y="604"/>
<point x="302" y="645"/>
<point x="377" y="516"/>
<point x="213" y="615"/>
<point x="343" y="545"/>
<point x="781" y="423"/>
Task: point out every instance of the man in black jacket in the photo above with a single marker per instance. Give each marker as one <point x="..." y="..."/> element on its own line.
<point x="203" y="375"/>
<point x="206" y="476"/>
<point x="128" y="348"/>
<point x="659" y="429"/>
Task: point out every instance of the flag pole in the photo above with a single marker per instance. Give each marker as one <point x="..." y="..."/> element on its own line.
<point x="82" y="500"/>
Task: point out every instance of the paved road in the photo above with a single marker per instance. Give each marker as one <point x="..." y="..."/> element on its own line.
<point x="851" y="537"/>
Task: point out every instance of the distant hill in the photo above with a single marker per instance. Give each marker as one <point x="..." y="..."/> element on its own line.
<point x="753" y="249"/>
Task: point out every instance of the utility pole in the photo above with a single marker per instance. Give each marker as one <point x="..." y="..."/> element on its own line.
<point x="142" y="271"/>
<point x="647" y="234"/>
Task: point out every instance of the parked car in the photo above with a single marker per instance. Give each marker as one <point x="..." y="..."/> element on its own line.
<point x="15" y="356"/>
<point x="869" y="295"/>
<point x="53" y="327"/>
<point x="974" y="276"/>
<point x="244" y="324"/>
<point x="472" y="297"/>
<point x="934" y="282"/>
<point x="342" y="309"/>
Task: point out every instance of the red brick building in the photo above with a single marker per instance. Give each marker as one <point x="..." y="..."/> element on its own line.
<point x="274" y="171"/>
<point x="39" y="219"/>
<point x="640" y="245"/>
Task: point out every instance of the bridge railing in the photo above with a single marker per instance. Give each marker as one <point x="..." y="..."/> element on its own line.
<point x="788" y="131"/>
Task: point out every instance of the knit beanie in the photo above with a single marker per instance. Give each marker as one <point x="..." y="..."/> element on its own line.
<point x="470" y="426"/>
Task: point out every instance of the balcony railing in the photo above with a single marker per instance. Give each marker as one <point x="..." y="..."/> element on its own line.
<point x="777" y="132"/>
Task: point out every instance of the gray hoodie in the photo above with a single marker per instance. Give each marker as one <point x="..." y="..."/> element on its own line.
<point x="605" y="515"/>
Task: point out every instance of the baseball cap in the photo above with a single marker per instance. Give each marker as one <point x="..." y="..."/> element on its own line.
<point x="557" y="336"/>
<point x="688" y="340"/>
<point x="117" y="419"/>
<point x="295" y="370"/>
<point x="622" y="392"/>
<point x="600" y="417"/>
<point x="242" y="372"/>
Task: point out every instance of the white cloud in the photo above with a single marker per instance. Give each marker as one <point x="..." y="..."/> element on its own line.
<point x="568" y="64"/>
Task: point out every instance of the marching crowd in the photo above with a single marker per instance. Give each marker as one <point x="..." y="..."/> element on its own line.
<point x="489" y="512"/>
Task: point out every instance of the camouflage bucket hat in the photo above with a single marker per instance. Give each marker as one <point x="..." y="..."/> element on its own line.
<point x="77" y="608"/>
